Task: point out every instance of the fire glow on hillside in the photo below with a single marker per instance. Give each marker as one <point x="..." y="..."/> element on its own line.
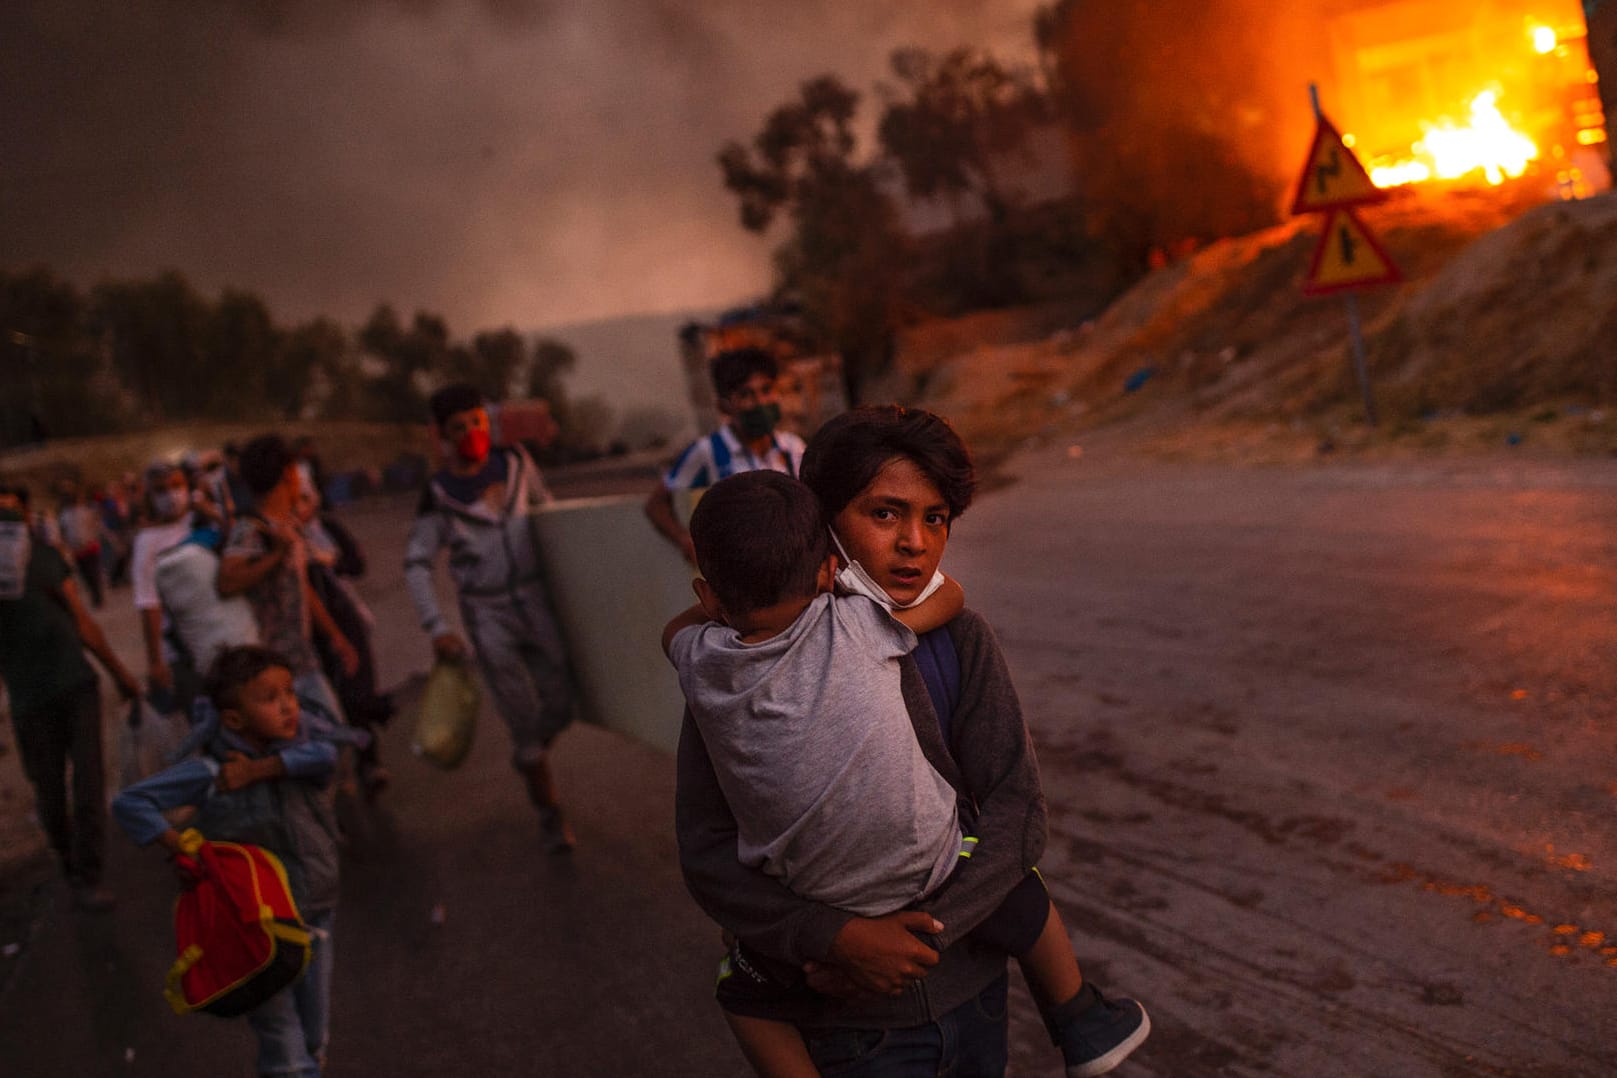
<point x="1507" y="90"/>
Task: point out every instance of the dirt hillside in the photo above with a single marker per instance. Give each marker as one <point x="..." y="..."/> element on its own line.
<point x="1500" y="333"/>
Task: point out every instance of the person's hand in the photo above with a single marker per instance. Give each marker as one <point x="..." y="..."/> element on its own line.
<point x="449" y="647"/>
<point x="882" y="954"/>
<point x="237" y="771"/>
<point x="280" y="536"/>
<point x="185" y="865"/>
<point x="206" y="507"/>
<point x="347" y="657"/>
<point x="160" y="677"/>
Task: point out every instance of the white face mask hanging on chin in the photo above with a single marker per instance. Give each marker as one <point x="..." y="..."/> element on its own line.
<point x="853" y="579"/>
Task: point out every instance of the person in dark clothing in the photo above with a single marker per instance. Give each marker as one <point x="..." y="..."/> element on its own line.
<point x="891" y="482"/>
<point x="335" y="559"/>
<point x="55" y="696"/>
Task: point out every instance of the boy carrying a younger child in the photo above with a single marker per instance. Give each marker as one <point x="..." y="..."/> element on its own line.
<point x="796" y="693"/>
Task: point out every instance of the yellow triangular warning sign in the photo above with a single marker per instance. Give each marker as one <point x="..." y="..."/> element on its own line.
<point x="1333" y="177"/>
<point x="1348" y="256"/>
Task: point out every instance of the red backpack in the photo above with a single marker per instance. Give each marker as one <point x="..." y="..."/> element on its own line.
<point x="237" y="930"/>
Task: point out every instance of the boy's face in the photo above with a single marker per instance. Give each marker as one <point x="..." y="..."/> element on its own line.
<point x="757" y="390"/>
<point x="468" y="432"/>
<point x="897" y="528"/>
<point x="266" y="709"/>
<point x="292" y="481"/>
<point x="171" y="496"/>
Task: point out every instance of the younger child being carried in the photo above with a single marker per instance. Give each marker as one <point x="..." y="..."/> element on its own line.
<point x="796" y="692"/>
<point x="263" y="779"/>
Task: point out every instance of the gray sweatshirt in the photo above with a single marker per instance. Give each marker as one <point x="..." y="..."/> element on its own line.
<point x="492" y="550"/>
<point x="810" y="737"/>
<point x="989" y="761"/>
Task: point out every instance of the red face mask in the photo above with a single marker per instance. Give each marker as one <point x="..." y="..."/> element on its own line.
<point x="473" y="445"/>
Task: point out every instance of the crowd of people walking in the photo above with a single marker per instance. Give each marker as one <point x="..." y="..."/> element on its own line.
<point x="858" y="805"/>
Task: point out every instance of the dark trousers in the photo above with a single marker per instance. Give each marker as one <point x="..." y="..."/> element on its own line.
<point x="89" y="566"/>
<point x="67" y="729"/>
<point x="971" y="1041"/>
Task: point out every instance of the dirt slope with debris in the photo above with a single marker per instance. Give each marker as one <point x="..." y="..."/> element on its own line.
<point x="1505" y="312"/>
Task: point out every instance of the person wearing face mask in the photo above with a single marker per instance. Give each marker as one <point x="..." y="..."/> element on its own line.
<point x="891" y="482"/>
<point x="744" y="381"/>
<point x="201" y="621"/>
<point x="479" y="507"/>
<point x="167" y="525"/>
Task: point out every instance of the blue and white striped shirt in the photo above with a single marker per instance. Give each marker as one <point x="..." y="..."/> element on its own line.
<point x="720" y="455"/>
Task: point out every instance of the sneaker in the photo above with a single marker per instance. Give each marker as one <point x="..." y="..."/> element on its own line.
<point x="1102" y="1035"/>
<point x="555" y="831"/>
<point x="91" y="898"/>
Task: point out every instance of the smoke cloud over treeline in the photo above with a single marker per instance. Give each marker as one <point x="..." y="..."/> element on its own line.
<point x="1196" y="109"/>
<point x="524" y="161"/>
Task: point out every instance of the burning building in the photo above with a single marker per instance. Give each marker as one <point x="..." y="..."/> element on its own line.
<point x="1481" y="92"/>
<point x="1188" y="119"/>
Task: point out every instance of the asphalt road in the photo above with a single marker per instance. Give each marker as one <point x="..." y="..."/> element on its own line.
<point x="1331" y="767"/>
<point x="1329" y="752"/>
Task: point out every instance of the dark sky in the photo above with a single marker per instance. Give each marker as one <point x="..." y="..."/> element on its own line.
<point x="499" y="161"/>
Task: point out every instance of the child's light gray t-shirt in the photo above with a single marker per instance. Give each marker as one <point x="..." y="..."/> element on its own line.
<point x="815" y="752"/>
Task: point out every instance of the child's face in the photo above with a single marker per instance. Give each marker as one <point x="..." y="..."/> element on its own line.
<point x="757" y="390"/>
<point x="266" y="709"/>
<point x="897" y="528"/>
<point x="468" y="432"/>
<point x="172" y="497"/>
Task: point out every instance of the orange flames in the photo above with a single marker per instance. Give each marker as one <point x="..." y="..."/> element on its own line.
<point x="1488" y="145"/>
<point x="1507" y="93"/>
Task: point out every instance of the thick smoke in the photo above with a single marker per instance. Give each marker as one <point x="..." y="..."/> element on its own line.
<point x="1198" y="109"/>
<point x="500" y="161"/>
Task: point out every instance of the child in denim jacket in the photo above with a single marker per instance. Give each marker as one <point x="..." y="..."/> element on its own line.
<point x="263" y="777"/>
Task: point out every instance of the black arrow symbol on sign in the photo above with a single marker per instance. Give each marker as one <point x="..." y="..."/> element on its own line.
<point x="1349" y="247"/>
<point x="1324" y="171"/>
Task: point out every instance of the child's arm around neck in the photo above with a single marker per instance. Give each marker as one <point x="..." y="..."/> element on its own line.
<point x="695" y="615"/>
<point x="938" y="610"/>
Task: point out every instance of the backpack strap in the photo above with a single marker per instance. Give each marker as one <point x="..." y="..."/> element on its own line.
<point x="721" y="455"/>
<point x="939" y="664"/>
<point x="785" y="455"/>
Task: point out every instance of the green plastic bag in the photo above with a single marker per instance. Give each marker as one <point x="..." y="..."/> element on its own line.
<point x="447" y="718"/>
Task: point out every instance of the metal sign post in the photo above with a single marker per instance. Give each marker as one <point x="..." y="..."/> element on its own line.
<point x="1361" y="366"/>
<point x="1348" y="256"/>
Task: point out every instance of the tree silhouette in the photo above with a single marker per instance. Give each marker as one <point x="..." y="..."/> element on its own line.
<point x="240" y="337"/>
<point x="154" y="333"/>
<point x="843" y="258"/>
<point x="48" y="364"/>
<point x="316" y="353"/>
<point x="953" y="123"/>
<point x="494" y="360"/>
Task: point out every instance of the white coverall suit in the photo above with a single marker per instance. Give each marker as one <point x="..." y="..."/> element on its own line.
<point x="494" y="563"/>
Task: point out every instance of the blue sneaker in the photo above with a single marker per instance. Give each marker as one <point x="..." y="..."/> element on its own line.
<point x="1101" y="1035"/>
